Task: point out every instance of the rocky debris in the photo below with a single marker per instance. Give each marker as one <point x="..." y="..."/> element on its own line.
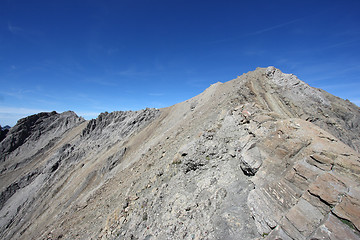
<point x="10" y="190"/>
<point x="114" y="160"/>
<point x="264" y="156"/>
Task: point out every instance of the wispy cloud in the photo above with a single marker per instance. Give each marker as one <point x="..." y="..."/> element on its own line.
<point x="101" y="81"/>
<point x="31" y="35"/>
<point x="254" y="52"/>
<point x="14" y="29"/>
<point x="156" y="94"/>
<point x="197" y="82"/>
<point x="112" y="51"/>
<point x="10" y="115"/>
<point x="21" y="111"/>
<point x="260" y="31"/>
<point x="83" y="98"/>
<point x="288" y="62"/>
<point x="271" y="28"/>
<point x="132" y="72"/>
<point x="19" y="94"/>
<point x="341" y="44"/>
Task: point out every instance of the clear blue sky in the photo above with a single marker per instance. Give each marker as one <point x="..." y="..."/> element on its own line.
<point x="91" y="56"/>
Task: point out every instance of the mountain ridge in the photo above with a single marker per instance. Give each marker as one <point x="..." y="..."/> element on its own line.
<point x="246" y="158"/>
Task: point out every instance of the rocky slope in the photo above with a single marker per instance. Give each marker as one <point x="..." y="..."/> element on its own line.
<point x="261" y="156"/>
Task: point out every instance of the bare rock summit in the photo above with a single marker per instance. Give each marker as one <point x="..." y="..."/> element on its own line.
<point x="263" y="156"/>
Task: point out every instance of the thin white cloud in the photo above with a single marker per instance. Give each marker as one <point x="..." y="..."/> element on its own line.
<point x="268" y="29"/>
<point x="19" y="93"/>
<point x="254" y="52"/>
<point x="13" y="29"/>
<point x="101" y="81"/>
<point x="132" y="72"/>
<point x="10" y="115"/>
<point x="20" y="111"/>
<point x="341" y="44"/>
<point x="112" y="51"/>
<point x="261" y="31"/>
<point x="156" y="94"/>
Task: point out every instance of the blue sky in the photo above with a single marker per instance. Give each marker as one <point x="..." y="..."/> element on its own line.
<point x="92" y="56"/>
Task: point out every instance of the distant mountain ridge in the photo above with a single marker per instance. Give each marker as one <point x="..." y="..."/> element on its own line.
<point x="3" y="131"/>
<point x="263" y="156"/>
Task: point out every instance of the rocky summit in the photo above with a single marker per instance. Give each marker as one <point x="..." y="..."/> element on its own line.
<point x="263" y="156"/>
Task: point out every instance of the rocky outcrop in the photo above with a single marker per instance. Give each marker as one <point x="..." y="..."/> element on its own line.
<point x="264" y="156"/>
<point x="318" y="179"/>
<point x="29" y="130"/>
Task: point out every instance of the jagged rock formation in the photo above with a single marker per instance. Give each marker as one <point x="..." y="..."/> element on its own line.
<point x="261" y="156"/>
<point x="25" y="137"/>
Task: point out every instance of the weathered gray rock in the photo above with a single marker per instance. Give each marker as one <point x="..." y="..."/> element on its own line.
<point x="25" y="135"/>
<point x="315" y="105"/>
<point x="250" y="159"/>
<point x="334" y="228"/>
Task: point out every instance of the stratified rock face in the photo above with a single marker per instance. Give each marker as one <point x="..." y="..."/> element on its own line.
<point x="297" y="99"/>
<point x="262" y="156"/>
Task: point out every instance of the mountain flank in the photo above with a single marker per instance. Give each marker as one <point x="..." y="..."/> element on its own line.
<point x="263" y="156"/>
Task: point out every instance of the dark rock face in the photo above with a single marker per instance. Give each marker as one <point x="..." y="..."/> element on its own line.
<point x="262" y="156"/>
<point x="3" y="132"/>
